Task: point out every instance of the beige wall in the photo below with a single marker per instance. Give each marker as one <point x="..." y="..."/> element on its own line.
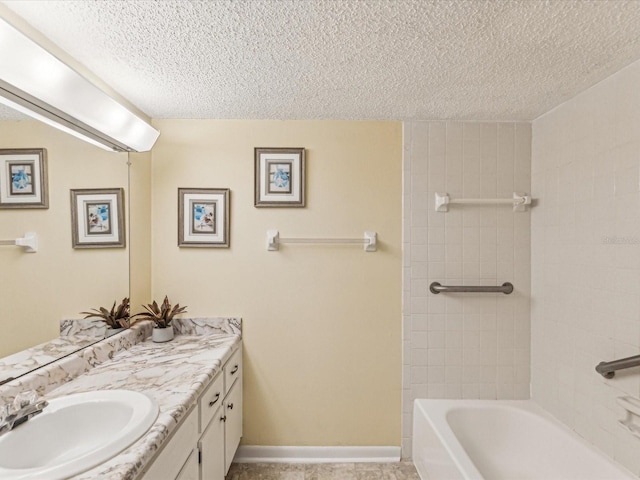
<point x="140" y="229"/>
<point x="586" y="259"/>
<point x="465" y="345"/>
<point x="321" y="323"/>
<point x="40" y="289"/>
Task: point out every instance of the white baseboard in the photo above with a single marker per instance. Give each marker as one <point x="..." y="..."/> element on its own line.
<point x="265" y="454"/>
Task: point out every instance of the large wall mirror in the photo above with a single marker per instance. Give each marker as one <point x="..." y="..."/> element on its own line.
<point x="58" y="282"/>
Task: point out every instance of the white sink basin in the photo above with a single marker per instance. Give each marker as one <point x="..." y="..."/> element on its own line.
<point x="75" y="433"/>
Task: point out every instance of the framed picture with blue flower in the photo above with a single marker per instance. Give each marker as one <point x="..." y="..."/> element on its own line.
<point x="279" y="177"/>
<point x="97" y="218"/>
<point x="203" y="217"/>
<point x="23" y="178"/>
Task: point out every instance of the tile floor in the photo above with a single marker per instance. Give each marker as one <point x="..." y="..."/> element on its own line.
<point x="323" y="471"/>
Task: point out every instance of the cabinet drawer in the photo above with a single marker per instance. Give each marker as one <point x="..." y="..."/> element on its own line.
<point x="210" y="401"/>
<point x="232" y="369"/>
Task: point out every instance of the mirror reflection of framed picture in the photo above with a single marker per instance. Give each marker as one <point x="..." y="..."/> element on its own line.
<point x="203" y="217"/>
<point x="279" y="177"/>
<point x="23" y="178"/>
<point x="97" y="218"/>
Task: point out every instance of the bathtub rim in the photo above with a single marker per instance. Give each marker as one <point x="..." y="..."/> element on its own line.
<point x="437" y="420"/>
<point x="435" y="412"/>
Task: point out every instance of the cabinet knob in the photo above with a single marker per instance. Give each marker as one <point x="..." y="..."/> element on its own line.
<point x="235" y="369"/>
<point x="223" y="418"/>
<point x="230" y="406"/>
<point x="213" y="402"/>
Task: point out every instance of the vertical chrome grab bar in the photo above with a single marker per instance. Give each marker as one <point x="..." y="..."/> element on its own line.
<point x="436" y="288"/>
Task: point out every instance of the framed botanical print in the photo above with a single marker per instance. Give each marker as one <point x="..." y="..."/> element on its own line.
<point x="203" y="217"/>
<point x="97" y="218"/>
<point x="23" y="178"/>
<point x="279" y="177"/>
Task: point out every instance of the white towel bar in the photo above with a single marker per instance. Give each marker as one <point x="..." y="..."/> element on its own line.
<point x="369" y="241"/>
<point x="519" y="202"/>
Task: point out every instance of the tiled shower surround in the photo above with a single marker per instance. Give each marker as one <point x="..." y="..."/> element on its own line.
<point x="586" y="260"/>
<point x="465" y="345"/>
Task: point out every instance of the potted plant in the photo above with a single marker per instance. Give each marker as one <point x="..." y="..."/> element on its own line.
<point x="116" y="319"/>
<point x="161" y="315"/>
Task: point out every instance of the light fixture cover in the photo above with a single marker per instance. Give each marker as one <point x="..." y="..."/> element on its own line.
<point x="36" y="80"/>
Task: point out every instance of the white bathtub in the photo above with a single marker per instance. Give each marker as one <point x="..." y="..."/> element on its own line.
<point x="501" y="440"/>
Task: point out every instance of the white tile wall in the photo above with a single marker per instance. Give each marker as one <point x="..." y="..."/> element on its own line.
<point x="586" y="259"/>
<point x="465" y="345"/>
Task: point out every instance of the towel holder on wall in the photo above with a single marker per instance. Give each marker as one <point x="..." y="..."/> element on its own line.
<point x="29" y="242"/>
<point x="519" y="202"/>
<point x="370" y="241"/>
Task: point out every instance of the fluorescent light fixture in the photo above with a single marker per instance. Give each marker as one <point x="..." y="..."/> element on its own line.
<point x="35" y="82"/>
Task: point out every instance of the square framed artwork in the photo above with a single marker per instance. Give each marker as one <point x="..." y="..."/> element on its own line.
<point x="279" y="177"/>
<point x="203" y="217"/>
<point x="23" y="178"/>
<point x="97" y="218"/>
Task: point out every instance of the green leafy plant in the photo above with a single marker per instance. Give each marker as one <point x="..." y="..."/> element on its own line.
<point x="117" y="317"/>
<point x="162" y="314"/>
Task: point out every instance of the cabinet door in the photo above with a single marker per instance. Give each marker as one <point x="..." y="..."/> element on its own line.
<point x="190" y="469"/>
<point x="211" y="446"/>
<point x="233" y="428"/>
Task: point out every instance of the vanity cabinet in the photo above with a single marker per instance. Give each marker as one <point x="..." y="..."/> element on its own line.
<point x="203" y="446"/>
<point x="221" y="420"/>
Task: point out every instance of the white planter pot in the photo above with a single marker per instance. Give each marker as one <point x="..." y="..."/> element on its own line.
<point x="161" y="335"/>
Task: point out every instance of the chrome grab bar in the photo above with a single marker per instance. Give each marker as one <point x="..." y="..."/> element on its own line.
<point x="436" y="288"/>
<point x="608" y="369"/>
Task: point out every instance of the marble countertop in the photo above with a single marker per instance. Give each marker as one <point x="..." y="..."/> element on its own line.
<point x="174" y="374"/>
<point x="23" y="362"/>
<point x="75" y="335"/>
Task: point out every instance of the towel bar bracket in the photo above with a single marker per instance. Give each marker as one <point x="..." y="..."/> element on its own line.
<point x="29" y="242"/>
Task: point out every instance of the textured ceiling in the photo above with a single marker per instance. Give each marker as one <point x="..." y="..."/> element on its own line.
<point x="344" y="59"/>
